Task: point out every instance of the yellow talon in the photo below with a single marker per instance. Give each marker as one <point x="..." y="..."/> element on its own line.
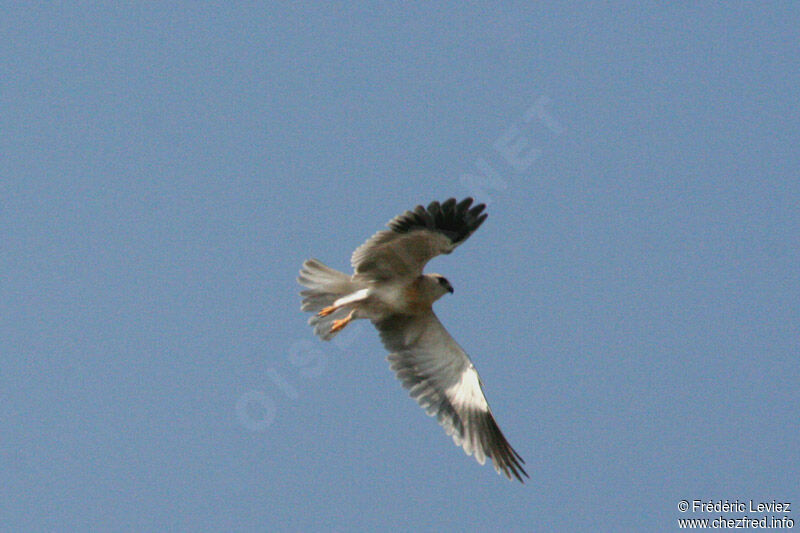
<point x="338" y="325"/>
<point x="326" y="311"/>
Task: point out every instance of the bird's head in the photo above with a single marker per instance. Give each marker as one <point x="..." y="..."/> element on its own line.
<point x="438" y="285"/>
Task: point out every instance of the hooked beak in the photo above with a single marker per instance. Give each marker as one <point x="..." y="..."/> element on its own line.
<point x="450" y="290"/>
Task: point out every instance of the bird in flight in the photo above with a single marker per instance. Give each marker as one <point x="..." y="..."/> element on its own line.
<point x="389" y="289"/>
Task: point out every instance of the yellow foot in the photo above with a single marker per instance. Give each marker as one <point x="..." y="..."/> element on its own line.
<point x="338" y="325"/>
<point x="326" y="311"/>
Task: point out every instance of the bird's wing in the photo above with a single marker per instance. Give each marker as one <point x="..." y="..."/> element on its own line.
<point x="416" y="237"/>
<point x="443" y="380"/>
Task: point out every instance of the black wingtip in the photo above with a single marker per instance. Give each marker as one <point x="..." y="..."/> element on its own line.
<point x="456" y="220"/>
<point x="505" y="458"/>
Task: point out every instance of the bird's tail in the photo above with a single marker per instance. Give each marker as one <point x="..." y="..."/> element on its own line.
<point x="324" y="286"/>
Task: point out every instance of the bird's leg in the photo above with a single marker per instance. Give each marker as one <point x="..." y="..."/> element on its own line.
<point x="338" y="325"/>
<point x="327" y="310"/>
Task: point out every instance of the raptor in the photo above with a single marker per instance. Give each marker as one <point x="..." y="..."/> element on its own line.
<point x="388" y="288"/>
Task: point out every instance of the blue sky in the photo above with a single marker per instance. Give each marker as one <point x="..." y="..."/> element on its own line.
<point x="632" y="301"/>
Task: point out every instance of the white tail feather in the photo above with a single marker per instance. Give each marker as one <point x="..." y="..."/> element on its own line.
<point x="324" y="286"/>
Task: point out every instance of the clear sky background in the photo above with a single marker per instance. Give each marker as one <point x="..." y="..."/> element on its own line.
<point x="632" y="301"/>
